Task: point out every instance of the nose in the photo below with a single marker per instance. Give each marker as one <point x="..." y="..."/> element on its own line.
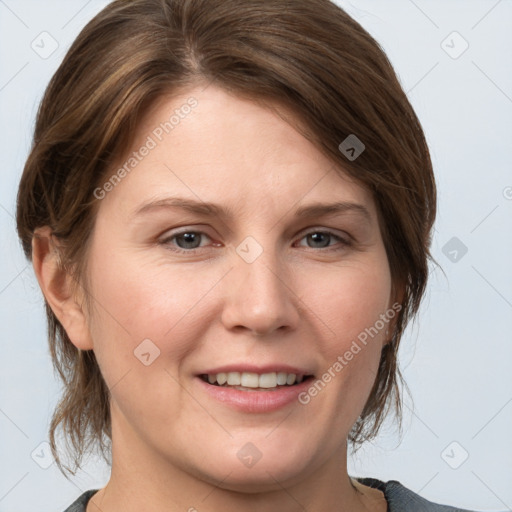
<point x="260" y="296"/>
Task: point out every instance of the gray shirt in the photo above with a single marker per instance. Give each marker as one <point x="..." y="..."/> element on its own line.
<point x="399" y="498"/>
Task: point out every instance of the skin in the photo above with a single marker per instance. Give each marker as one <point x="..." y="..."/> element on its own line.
<point x="302" y="302"/>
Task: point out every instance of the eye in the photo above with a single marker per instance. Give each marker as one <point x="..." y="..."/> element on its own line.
<point x="321" y="239"/>
<point x="186" y="241"/>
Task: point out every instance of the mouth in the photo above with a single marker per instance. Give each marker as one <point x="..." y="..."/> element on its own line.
<point x="250" y="381"/>
<point x="250" y="389"/>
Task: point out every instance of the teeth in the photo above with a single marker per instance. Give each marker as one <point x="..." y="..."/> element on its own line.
<point x="249" y="380"/>
<point x="281" y="378"/>
<point x="268" y="380"/>
<point x="254" y="380"/>
<point x="234" y="379"/>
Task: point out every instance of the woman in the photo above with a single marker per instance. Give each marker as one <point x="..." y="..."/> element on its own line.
<point x="188" y="156"/>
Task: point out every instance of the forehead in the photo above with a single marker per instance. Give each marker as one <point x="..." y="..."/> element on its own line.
<point x="228" y="149"/>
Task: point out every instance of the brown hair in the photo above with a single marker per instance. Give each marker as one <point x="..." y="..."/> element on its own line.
<point x="308" y="55"/>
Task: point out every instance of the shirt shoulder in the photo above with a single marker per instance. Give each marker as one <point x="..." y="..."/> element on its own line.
<point x="401" y="499"/>
<point x="80" y="503"/>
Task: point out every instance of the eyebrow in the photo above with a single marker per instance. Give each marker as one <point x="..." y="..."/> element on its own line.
<point x="215" y="210"/>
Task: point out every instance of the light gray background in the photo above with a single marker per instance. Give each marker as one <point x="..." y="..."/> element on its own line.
<point x="456" y="359"/>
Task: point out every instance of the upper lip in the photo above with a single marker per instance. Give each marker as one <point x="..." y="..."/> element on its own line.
<point x="252" y="368"/>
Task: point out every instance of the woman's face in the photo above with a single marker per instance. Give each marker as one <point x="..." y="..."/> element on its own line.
<point x="260" y="288"/>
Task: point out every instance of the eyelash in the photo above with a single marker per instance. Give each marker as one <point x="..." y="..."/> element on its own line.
<point x="344" y="242"/>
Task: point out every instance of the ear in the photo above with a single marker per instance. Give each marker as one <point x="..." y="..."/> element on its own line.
<point x="57" y="286"/>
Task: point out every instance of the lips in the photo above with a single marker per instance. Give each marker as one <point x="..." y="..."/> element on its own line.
<point x="251" y="399"/>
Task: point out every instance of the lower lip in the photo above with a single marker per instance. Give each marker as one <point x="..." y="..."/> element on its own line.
<point x="256" y="401"/>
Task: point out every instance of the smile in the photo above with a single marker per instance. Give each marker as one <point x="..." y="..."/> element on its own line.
<point x="253" y="381"/>
<point x="250" y="392"/>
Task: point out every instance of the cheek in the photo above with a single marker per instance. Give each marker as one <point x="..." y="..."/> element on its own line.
<point x="144" y="296"/>
<point x="136" y="300"/>
<point x="349" y="304"/>
<point x="349" y="301"/>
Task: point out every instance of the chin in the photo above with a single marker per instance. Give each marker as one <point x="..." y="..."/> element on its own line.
<point x="266" y="478"/>
<point x="250" y="470"/>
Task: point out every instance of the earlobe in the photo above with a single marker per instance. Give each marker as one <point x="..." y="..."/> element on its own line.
<point x="56" y="283"/>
